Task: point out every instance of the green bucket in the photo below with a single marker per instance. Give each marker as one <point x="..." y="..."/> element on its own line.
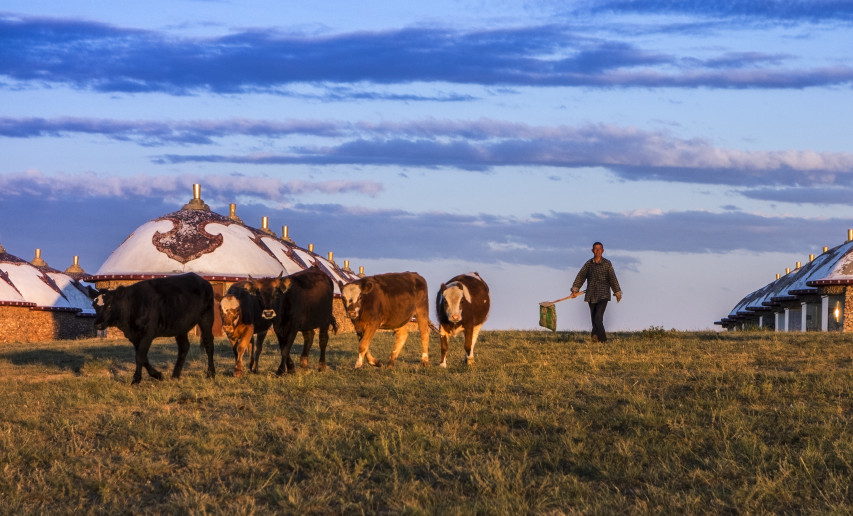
<point x="548" y="316"/>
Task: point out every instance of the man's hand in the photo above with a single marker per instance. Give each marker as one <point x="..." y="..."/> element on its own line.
<point x="618" y="296"/>
<point x="576" y="294"/>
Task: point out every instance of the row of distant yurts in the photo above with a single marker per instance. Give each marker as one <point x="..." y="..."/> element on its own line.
<point x="815" y="296"/>
<point x="40" y="303"/>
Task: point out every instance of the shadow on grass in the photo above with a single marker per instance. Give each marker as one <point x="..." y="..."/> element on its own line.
<point x="62" y="360"/>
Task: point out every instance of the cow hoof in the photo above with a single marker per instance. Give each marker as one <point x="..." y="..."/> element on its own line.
<point x="469" y="362"/>
<point x="280" y="372"/>
<point x="303" y="363"/>
<point x="136" y="380"/>
<point x="378" y="363"/>
<point x="211" y="374"/>
<point x="443" y="364"/>
<point x="238" y="374"/>
<point x="322" y="367"/>
<point x="157" y="375"/>
<point x="425" y="362"/>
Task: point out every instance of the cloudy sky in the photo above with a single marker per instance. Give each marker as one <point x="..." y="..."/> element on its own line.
<point x="706" y="143"/>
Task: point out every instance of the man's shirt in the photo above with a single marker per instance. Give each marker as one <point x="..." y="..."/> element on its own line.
<point x="600" y="279"/>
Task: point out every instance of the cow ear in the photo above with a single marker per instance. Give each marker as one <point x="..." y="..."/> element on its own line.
<point x="367" y="286"/>
<point x="93" y="292"/>
<point x="284" y="284"/>
<point x="466" y="294"/>
<point x="442" y="288"/>
<point x="340" y="286"/>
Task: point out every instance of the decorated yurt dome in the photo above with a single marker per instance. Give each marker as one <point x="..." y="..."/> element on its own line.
<point x="40" y="303"/>
<point x="221" y="249"/>
<point x="218" y="248"/>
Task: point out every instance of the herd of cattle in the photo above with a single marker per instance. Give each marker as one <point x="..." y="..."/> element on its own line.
<point x="301" y="302"/>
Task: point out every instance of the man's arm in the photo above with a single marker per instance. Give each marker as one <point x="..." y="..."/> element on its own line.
<point x="580" y="278"/>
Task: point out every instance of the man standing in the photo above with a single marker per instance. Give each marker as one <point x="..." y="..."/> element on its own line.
<point x="600" y="278"/>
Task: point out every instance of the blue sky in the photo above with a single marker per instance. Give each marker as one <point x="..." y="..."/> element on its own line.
<point x="705" y="143"/>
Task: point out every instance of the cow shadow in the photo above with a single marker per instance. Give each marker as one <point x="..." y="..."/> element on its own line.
<point x="61" y="360"/>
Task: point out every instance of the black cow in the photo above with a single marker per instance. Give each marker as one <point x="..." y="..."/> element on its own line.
<point x="160" y="307"/>
<point x="301" y="302"/>
<point x="462" y="304"/>
<point x="244" y="324"/>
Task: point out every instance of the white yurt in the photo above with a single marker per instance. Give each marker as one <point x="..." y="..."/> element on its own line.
<point x="221" y="249"/>
<point x="39" y="303"/>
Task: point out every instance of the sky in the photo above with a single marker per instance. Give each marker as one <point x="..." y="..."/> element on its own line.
<point x="705" y="143"/>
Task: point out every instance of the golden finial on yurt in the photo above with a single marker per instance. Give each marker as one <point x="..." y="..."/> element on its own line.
<point x="37" y="261"/>
<point x="361" y="271"/>
<point x="75" y="267"/>
<point x="196" y="203"/>
<point x="285" y="234"/>
<point x="232" y="213"/>
<point x="310" y="248"/>
<point x="331" y="257"/>
<point x="2" y="250"/>
<point x="265" y="226"/>
<point x="346" y="266"/>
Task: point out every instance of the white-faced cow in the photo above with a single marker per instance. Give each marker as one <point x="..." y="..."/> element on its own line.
<point x="160" y="307"/>
<point x="243" y="323"/>
<point x="387" y="302"/>
<point x="301" y="302"/>
<point x="462" y="304"/>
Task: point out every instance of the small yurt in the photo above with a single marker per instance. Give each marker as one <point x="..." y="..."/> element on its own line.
<point x="39" y="303"/>
<point x="221" y="249"/>
<point x="815" y="296"/>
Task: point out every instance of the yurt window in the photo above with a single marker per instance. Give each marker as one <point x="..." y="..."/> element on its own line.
<point x="836" y="313"/>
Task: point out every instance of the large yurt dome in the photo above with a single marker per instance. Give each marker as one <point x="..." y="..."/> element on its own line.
<point x="40" y="303"/>
<point x="218" y="248"/>
<point x="221" y="249"/>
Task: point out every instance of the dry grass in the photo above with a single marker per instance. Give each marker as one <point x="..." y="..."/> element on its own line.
<point x="652" y="422"/>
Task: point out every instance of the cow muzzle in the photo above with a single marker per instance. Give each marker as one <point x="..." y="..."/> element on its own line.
<point x="455" y="318"/>
<point x="268" y="314"/>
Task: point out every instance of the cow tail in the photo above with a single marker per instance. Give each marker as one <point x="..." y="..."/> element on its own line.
<point x="433" y="327"/>
<point x="334" y="325"/>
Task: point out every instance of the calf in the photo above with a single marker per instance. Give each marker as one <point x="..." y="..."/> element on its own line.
<point x="161" y="307"/>
<point x="243" y="323"/>
<point x="462" y="304"/>
<point x="300" y="302"/>
<point x="387" y="302"/>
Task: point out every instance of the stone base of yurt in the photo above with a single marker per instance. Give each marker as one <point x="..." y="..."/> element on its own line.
<point x="24" y="324"/>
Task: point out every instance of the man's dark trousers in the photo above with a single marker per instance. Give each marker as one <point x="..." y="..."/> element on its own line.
<point x="596" y="313"/>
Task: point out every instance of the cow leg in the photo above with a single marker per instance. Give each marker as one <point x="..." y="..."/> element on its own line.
<point x="445" y="345"/>
<point x="257" y="348"/>
<point x="400" y="335"/>
<point x="183" y="342"/>
<point x="364" y="348"/>
<point x="423" y="328"/>
<point x="244" y="342"/>
<point x="470" y="340"/>
<point x="324" y="341"/>
<point x="285" y="342"/>
<point x="205" y="324"/>
<point x="142" y="361"/>
<point x="307" y="342"/>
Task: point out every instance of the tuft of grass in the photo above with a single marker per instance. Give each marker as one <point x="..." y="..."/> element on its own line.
<point x="653" y="421"/>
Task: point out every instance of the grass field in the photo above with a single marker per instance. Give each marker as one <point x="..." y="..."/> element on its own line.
<point x="544" y="423"/>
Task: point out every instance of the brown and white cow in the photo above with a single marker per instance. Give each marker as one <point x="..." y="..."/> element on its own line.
<point x="301" y="302"/>
<point x="462" y="304"/>
<point x="243" y="323"/>
<point x="387" y="302"/>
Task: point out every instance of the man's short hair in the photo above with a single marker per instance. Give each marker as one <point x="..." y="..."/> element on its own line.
<point x="598" y="243"/>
